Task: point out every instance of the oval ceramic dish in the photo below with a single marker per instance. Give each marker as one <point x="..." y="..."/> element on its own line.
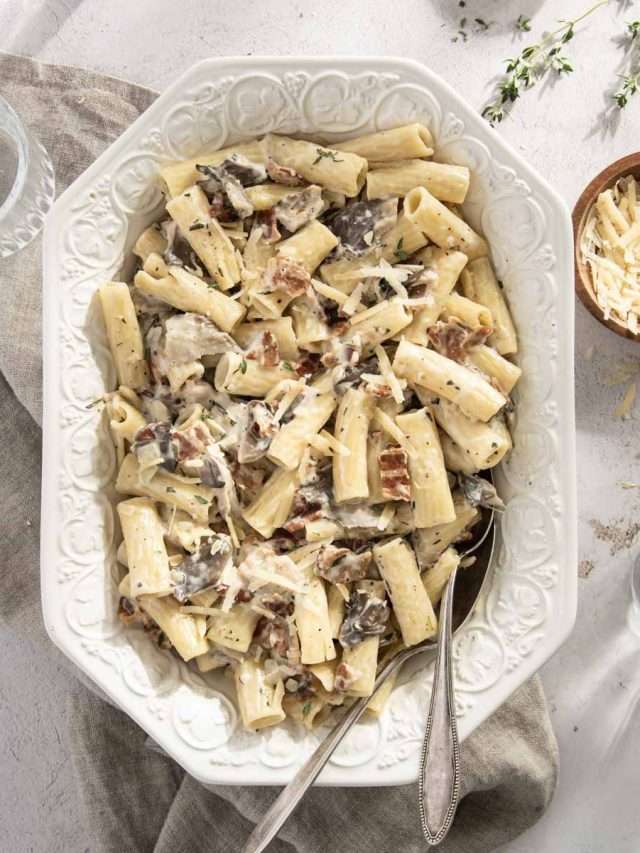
<point x="527" y="606"/>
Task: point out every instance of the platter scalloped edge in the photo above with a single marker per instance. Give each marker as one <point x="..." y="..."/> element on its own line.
<point x="527" y="606"/>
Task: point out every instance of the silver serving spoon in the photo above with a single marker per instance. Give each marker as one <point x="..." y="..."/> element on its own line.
<point x="292" y="793"/>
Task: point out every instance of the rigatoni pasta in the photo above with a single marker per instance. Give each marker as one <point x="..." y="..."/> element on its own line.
<point x="311" y="374"/>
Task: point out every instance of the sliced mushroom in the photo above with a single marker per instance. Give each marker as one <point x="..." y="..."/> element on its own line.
<point x="203" y="569"/>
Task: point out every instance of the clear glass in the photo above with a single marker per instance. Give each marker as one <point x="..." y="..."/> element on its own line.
<point x="633" y="612"/>
<point x="27" y="183"/>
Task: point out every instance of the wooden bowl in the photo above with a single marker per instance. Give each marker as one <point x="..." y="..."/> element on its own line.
<point x="629" y="165"/>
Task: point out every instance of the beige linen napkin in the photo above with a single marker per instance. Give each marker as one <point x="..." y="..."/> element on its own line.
<point x="135" y="799"/>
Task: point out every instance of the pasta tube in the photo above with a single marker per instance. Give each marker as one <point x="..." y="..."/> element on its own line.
<point x="446" y="267"/>
<point x="414" y="612"/>
<point x="150" y="242"/>
<point x="480" y="284"/>
<point x="246" y="377"/>
<point x="185" y="632"/>
<point x="147" y="559"/>
<point x="172" y="489"/>
<point x="441" y="225"/>
<point x="484" y="444"/>
<point x="273" y="504"/>
<point x="436" y="576"/>
<point x="233" y="629"/>
<point x="288" y="445"/>
<point x="188" y="292"/>
<point x="379" y="323"/>
<point x="191" y="212"/>
<point x="473" y="394"/>
<point x="311" y="614"/>
<point x="339" y="172"/>
<point x="310" y="245"/>
<point x="471" y="313"/>
<point x="350" y="481"/>
<point x="260" y="702"/>
<point x="430" y="494"/>
<point x="399" y="143"/>
<point x="444" y="182"/>
<point x="123" y="333"/>
<point x="495" y="366"/>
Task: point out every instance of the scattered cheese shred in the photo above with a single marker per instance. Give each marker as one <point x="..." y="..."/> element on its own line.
<point x="391" y="427"/>
<point x="610" y="246"/>
<point x="386" y="516"/>
<point x="351" y="305"/>
<point x="328" y="291"/>
<point x="387" y="371"/>
<point x="623" y="409"/>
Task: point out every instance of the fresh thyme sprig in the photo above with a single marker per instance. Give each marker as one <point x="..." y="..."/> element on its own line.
<point x="631" y="78"/>
<point x="523" y="24"/>
<point x="532" y="64"/>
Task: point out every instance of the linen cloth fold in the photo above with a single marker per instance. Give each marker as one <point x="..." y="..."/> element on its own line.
<point x="135" y="798"/>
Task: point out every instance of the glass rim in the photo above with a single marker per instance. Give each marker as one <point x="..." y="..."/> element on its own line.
<point x="19" y="135"/>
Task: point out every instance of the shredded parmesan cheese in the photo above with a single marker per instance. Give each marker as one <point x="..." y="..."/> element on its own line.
<point x="386" y="516"/>
<point x="387" y="371"/>
<point x="391" y="427"/>
<point x="623" y="409"/>
<point x="610" y="246"/>
<point x="328" y="291"/>
<point x="351" y="305"/>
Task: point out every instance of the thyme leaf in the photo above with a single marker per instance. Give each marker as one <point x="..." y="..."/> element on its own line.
<point x="323" y="153"/>
<point x="399" y="252"/>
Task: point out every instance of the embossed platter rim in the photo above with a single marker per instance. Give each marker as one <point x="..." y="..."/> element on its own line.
<point x="527" y="608"/>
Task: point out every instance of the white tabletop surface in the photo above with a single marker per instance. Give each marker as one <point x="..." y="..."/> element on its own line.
<point x="593" y="682"/>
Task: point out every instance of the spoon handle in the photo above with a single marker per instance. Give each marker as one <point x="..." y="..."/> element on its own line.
<point x="439" y="781"/>
<point x="290" y="796"/>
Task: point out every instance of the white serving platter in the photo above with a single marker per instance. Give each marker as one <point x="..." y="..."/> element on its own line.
<point x="527" y="607"/>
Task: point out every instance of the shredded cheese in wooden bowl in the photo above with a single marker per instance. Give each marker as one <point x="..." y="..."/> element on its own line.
<point x="610" y="246"/>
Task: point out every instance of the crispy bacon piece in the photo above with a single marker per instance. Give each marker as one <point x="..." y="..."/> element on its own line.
<point x="311" y="502"/>
<point x="394" y="473"/>
<point x="285" y="274"/>
<point x="454" y="339"/>
<point x="265" y="350"/>
<point x="283" y="174"/>
<point x="221" y="208"/>
<point x="267" y="221"/>
<point x="308" y="365"/>
<point x="273" y="635"/>
<point x="346" y="677"/>
<point x="377" y="389"/>
<point x="191" y="443"/>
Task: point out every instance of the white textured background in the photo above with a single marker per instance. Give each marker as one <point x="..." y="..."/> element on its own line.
<point x="593" y="683"/>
